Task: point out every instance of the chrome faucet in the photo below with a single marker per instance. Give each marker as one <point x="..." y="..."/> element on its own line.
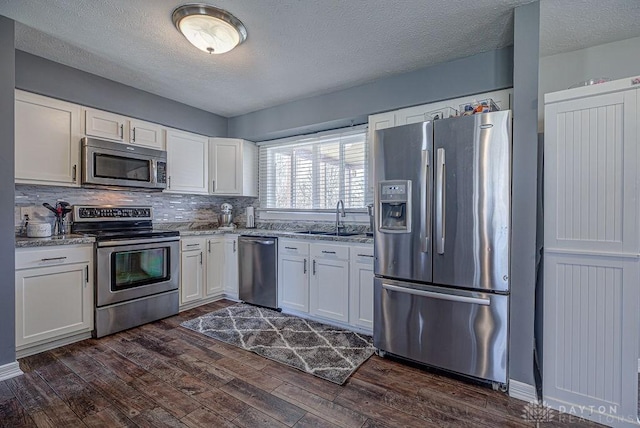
<point x="339" y="225"/>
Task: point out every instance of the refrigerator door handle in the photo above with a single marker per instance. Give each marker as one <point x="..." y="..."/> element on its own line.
<point x="425" y="204"/>
<point x="440" y="200"/>
<point x="441" y="296"/>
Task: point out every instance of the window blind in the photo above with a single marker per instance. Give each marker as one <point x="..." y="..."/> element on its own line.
<point x="315" y="172"/>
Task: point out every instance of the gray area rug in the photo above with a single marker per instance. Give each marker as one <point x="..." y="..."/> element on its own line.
<point x="325" y="351"/>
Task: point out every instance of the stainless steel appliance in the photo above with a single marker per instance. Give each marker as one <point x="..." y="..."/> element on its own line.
<point x="442" y="238"/>
<point x="137" y="268"/>
<point x="258" y="259"/>
<point x="117" y="165"/>
<point x="225" y="218"/>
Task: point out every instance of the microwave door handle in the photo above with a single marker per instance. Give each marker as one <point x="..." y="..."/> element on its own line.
<point x="154" y="171"/>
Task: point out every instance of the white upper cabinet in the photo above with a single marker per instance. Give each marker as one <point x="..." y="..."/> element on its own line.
<point x="187" y="162"/>
<point x="115" y="127"/>
<point x="233" y="166"/>
<point x="47" y="140"/>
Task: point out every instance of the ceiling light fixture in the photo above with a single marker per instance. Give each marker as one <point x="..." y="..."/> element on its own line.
<point x="208" y="28"/>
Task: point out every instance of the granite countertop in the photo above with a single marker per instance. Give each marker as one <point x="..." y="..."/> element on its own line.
<point x="359" y="239"/>
<point x="73" y="239"/>
<point x="70" y="239"/>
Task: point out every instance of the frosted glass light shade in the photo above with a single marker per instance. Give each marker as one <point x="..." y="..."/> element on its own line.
<point x="210" y="29"/>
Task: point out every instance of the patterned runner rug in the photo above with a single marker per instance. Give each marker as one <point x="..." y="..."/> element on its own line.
<point x="325" y="351"/>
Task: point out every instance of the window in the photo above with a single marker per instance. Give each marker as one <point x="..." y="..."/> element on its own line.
<point x="314" y="172"/>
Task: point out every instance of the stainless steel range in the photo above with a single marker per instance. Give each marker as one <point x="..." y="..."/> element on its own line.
<point x="137" y="268"/>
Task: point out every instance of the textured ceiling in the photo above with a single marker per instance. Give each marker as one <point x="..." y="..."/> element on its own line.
<point x="295" y="48"/>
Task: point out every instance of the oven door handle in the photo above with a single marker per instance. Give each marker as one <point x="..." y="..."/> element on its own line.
<point x="119" y="242"/>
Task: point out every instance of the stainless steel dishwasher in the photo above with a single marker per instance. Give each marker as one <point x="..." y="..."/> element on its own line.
<point x="258" y="259"/>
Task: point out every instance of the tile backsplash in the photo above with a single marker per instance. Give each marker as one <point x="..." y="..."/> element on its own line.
<point x="167" y="207"/>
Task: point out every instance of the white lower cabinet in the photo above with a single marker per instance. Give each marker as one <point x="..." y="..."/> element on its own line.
<point x="192" y="270"/>
<point x="293" y="275"/>
<point x="361" y="287"/>
<point x="215" y="266"/>
<point x="231" y="279"/>
<point x="54" y="297"/>
<point x="208" y="270"/>
<point x="329" y="283"/>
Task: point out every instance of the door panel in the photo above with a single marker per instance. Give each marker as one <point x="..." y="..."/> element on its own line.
<point x="405" y="153"/>
<point x="457" y="330"/>
<point x="472" y="201"/>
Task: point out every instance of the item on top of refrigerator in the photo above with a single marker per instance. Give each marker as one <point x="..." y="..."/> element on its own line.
<point x="442" y="113"/>
<point x="589" y="82"/>
<point x="482" y="106"/>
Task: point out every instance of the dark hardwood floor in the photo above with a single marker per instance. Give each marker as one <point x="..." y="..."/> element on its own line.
<point x="161" y="375"/>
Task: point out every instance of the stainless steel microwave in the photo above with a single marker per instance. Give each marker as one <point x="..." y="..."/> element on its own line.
<point x="115" y="165"/>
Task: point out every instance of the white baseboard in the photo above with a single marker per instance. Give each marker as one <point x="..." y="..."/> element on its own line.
<point x="10" y="370"/>
<point x="522" y="391"/>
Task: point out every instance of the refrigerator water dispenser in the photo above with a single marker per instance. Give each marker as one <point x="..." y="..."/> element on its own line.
<point x="395" y="206"/>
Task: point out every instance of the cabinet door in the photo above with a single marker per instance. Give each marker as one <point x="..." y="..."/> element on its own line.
<point x="47" y="140"/>
<point x="293" y="275"/>
<point x="226" y="166"/>
<point x="192" y="276"/>
<point x="231" y="266"/>
<point x="329" y="287"/>
<point x="107" y="125"/>
<point x="52" y="302"/>
<point x="146" y="134"/>
<point x="361" y="287"/>
<point x="215" y="266"/>
<point x="187" y="162"/>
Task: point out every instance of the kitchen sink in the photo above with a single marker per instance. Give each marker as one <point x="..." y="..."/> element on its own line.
<point x="325" y="233"/>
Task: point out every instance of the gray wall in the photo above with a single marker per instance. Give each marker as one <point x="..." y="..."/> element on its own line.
<point x="39" y="75"/>
<point x="478" y="73"/>
<point x="7" y="245"/>
<point x="524" y="191"/>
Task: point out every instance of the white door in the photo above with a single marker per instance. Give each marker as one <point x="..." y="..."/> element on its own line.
<point x="329" y="288"/>
<point x="231" y="267"/>
<point x="192" y="274"/>
<point x="107" y="125"/>
<point x="47" y="140"/>
<point x="187" y="162"/>
<point x="361" y="287"/>
<point x="226" y="166"/>
<point x="53" y="301"/>
<point x="215" y="266"/>
<point x="293" y="275"/>
<point x="146" y="134"/>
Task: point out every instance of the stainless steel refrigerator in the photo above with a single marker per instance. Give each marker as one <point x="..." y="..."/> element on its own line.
<point x="442" y="243"/>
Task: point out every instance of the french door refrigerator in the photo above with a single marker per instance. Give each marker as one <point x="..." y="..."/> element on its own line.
<point x="442" y="238"/>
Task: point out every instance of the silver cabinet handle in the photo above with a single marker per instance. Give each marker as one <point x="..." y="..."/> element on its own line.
<point x="86" y="279"/>
<point x="201" y="257"/>
<point x="169" y="182"/>
<point x="213" y="185"/>
<point x="51" y="259"/>
<point x="441" y="296"/>
<point x="74" y="171"/>
<point x="305" y="267"/>
<point x="121" y="131"/>
<point x="440" y="201"/>
<point x="328" y="252"/>
<point x="234" y="246"/>
<point x="192" y="245"/>
<point x="133" y="139"/>
<point x="314" y="266"/>
<point x="425" y="204"/>
<point x="291" y="248"/>
<point x="365" y="255"/>
<point x="209" y="246"/>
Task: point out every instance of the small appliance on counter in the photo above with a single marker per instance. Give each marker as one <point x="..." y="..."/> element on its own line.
<point x="251" y="219"/>
<point x="38" y="229"/>
<point x="225" y="218"/>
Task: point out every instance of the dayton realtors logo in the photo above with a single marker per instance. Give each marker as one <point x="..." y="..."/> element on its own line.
<point x="537" y="412"/>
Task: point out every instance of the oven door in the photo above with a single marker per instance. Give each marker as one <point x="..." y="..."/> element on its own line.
<point x="129" y="269"/>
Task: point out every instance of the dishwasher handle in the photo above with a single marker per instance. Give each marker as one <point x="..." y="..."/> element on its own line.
<point x="258" y="241"/>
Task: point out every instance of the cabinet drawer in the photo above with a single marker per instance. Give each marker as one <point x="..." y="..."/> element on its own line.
<point x="191" y="244"/>
<point x="362" y="255"/>
<point x="31" y="258"/>
<point x="333" y="252"/>
<point x="293" y="248"/>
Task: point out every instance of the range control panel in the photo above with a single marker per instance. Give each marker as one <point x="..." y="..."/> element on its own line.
<point x="111" y="212"/>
